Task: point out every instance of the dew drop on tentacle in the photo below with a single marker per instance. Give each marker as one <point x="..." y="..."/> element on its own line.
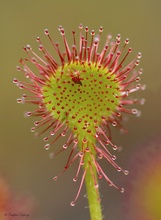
<point x="52" y="133"/>
<point x="134" y="111"/>
<point x="45" y="139"/>
<point x="72" y="203"/>
<point x="47" y="146"/>
<point x="118" y="169"/>
<point x="113" y="157"/>
<point x="114" y="147"/>
<point x="99" y="176"/>
<point x="36" y="123"/>
<point x="114" y="123"/>
<point x="33" y="129"/>
<point x="55" y="178"/>
<point x="18" y="68"/>
<point x="46" y="31"/>
<point x="74" y="179"/>
<point x="126" y="172"/>
<point x="81" y="154"/>
<point x="75" y="141"/>
<point x="19" y="100"/>
<point x="65" y="146"/>
<point x="100" y="156"/>
<point x="15" y="81"/>
<point x="122" y="190"/>
<point x="63" y="133"/>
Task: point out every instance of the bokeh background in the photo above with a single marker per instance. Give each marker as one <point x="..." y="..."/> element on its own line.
<point x="25" y="167"/>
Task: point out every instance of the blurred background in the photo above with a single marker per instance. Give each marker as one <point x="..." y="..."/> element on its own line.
<point x="26" y="171"/>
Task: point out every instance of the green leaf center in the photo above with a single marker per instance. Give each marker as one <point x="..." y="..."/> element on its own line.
<point x="82" y="95"/>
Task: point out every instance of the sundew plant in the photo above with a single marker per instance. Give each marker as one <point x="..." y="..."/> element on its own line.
<point x="80" y="94"/>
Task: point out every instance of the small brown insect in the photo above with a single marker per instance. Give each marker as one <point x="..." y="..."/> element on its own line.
<point x="77" y="80"/>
